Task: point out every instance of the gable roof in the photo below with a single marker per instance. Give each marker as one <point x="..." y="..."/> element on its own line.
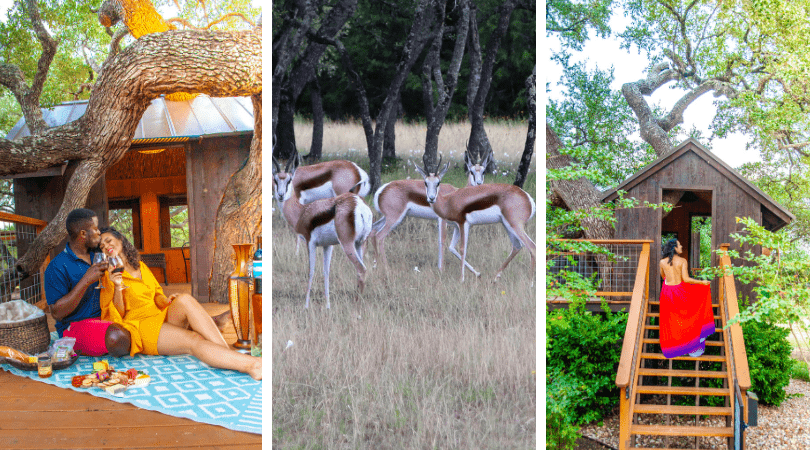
<point x="692" y="145"/>
<point x="165" y="120"/>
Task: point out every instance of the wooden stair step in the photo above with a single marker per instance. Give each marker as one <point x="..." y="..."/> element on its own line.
<point x="653" y="302"/>
<point x="660" y="430"/>
<point x="658" y="327"/>
<point x="683" y="410"/>
<point x="683" y="373"/>
<point x="681" y="390"/>
<point x="658" y="341"/>
<point x="715" y="358"/>
<point x="649" y="314"/>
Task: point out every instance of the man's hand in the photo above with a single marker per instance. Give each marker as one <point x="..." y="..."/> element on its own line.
<point x="95" y="271"/>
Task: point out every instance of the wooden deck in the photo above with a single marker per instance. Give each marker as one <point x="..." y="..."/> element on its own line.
<point x="36" y="415"/>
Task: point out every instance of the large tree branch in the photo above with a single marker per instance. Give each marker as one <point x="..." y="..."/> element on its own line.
<point x="219" y="64"/>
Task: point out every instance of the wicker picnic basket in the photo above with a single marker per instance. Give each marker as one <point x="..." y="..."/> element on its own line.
<point x="30" y="336"/>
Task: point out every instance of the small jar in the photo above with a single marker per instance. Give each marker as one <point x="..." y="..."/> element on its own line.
<point x="44" y="366"/>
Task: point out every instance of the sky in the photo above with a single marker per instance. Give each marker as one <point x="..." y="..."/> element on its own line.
<point x="630" y="66"/>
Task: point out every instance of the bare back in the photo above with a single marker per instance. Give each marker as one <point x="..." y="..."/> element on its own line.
<point x="677" y="273"/>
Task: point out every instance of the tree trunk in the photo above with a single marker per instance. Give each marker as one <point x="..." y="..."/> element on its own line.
<point x="375" y="135"/>
<point x="300" y="67"/>
<point x="316" y="149"/>
<point x="285" y="130"/>
<point x="479" y="143"/>
<point x="219" y="64"/>
<point x="576" y="194"/>
<point x="528" y="149"/>
<point x="239" y="215"/>
<point x="432" y="74"/>
<point x="389" y="146"/>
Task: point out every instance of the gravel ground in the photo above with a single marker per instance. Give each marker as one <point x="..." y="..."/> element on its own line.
<point x="784" y="428"/>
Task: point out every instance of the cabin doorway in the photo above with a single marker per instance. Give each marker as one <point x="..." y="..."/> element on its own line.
<point x="690" y="221"/>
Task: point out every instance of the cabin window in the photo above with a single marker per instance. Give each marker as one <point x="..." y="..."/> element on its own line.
<point x="125" y="216"/>
<point x="174" y="229"/>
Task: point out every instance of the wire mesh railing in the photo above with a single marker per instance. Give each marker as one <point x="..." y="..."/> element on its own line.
<point x="609" y="265"/>
<point x="17" y="233"/>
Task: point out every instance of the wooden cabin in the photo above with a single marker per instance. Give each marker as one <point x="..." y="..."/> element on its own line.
<point x="699" y="184"/>
<point x="182" y="156"/>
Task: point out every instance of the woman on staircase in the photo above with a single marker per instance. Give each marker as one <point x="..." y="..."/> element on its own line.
<point x="686" y="307"/>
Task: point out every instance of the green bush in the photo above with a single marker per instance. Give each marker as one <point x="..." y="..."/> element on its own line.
<point x="769" y="362"/>
<point x="561" y="390"/>
<point x="586" y="347"/>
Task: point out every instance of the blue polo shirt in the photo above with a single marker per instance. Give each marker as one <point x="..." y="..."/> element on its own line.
<point x="63" y="274"/>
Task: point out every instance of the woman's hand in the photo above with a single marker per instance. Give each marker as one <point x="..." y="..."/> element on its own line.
<point x="163" y="302"/>
<point x="117" y="278"/>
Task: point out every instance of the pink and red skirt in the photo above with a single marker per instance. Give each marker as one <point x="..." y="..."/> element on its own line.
<point x="686" y="318"/>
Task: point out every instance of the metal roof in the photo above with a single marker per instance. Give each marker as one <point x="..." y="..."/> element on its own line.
<point x="165" y="120"/>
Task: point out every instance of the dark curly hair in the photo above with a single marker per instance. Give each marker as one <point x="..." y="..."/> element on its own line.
<point x="129" y="250"/>
<point x="669" y="249"/>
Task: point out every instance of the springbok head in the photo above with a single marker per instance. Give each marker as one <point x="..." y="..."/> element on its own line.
<point x="282" y="179"/>
<point x="432" y="179"/>
<point x="475" y="166"/>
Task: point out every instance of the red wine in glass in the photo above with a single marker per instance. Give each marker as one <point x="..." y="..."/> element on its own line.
<point x="118" y="267"/>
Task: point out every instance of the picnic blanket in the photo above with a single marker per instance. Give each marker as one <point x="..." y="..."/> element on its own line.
<point x="181" y="386"/>
<point x="686" y="318"/>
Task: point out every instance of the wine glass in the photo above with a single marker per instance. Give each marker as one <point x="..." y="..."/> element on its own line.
<point x="118" y="266"/>
<point x="97" y="258"/>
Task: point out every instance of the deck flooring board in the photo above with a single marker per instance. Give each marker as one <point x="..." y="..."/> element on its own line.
<point x="36" y="415"/>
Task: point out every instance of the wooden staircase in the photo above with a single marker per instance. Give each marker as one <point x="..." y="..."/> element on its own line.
<point x="684" y="402"/>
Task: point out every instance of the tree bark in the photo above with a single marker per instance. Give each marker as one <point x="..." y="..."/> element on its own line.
<point x="239" y="215"/>
<point x="528" y="149"/>
<point x="479" y="143"/>
<point x="432" y="73"/>
<point x="219" y="64"/>
<point x="316" y="149"/>
<point x="389" y="146"/>
<point x="575" y="194"/>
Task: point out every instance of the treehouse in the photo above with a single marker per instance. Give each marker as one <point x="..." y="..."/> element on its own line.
<point x="708" y="196"/>
<point x="660" y="398"/>
<point x="165" y="192"/>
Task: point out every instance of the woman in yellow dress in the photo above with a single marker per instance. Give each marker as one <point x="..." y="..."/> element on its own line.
<point x="158" y="325"/>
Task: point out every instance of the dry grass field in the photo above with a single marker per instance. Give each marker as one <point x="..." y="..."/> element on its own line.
<point x="420" y="360"/>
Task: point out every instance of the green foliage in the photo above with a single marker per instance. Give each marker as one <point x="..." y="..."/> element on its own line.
<point x="769" y="362"/>
<point x="586" y="348"/>
<point x="800" y="371"/>
<point x="572" y="21"/>
<point x="201" y="14"/>
<point x="374" y="38"/>
<point x="782" y="280"/>
<point x="562" y="390"/>
<point x="595" y="124"/>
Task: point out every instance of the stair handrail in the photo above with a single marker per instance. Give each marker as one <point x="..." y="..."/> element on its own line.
<point x="631" y="348"/>
<point x="737" y="342"/>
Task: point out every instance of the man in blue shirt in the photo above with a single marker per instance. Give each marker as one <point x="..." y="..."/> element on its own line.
<point x="70" y="282"/>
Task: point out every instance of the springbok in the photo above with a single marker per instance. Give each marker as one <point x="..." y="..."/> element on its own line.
<point x="399" y="199"/>
<point x="317" y="181"/>
<point x="482" y="204"/>
<point x="322" y="180"/>
<point x="344" y="220"/>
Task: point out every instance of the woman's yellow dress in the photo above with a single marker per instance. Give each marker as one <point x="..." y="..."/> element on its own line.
<point x="142" y="317"/>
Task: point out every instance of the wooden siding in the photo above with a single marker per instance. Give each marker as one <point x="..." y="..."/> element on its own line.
<point x="687" y="172"/>
<point x="211" y="163"/>
<point x="41" y="197"/>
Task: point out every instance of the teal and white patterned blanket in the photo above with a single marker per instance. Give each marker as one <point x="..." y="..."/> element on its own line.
<point x="181" y="386"/>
